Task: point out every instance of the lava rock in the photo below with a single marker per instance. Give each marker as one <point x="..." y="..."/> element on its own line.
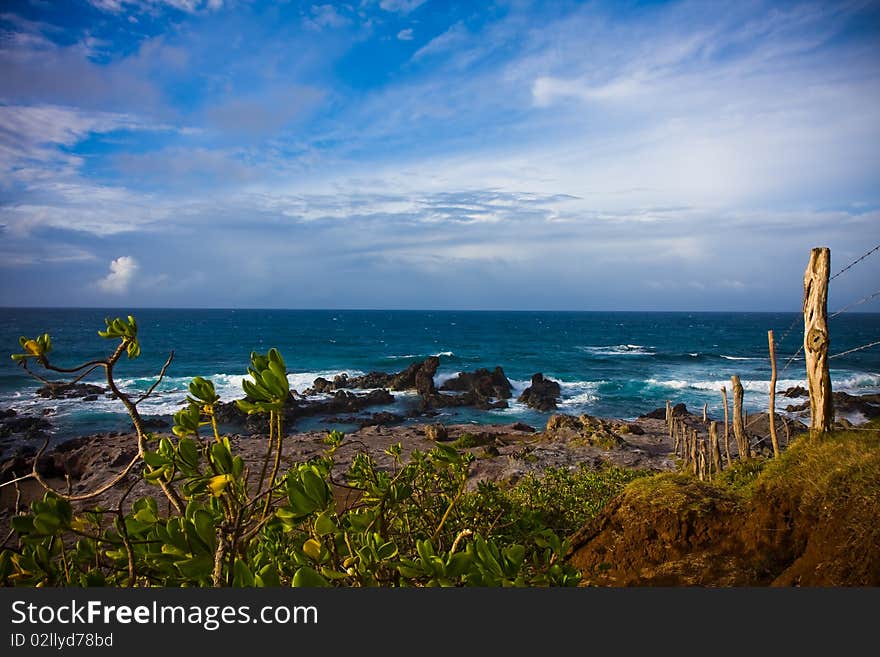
<point x="542" y="395"/>
<point x="69" y="390"/>
<point x="483" y="382"/>
<point x="436" y="432"/>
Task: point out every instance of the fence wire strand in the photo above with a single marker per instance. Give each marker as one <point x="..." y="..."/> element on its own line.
<point x="855" y="303"/>
<point x="849" y="351"/>
<point x="855" y="262"/>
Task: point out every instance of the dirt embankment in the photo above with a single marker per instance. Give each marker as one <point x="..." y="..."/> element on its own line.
<point x="810" y="519"/>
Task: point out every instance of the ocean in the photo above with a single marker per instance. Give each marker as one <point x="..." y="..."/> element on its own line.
<point x="610" y="364"/>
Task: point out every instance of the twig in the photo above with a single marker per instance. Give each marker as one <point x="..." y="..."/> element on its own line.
<point x="84" y="496"/>
<point x="158" y="381"/>
<point x="123" y="533"/>
<point x="462" y="534"/>
<point x="16" y="480"/>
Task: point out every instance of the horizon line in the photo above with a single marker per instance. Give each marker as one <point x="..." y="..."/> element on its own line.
<point x="399" y="309"/>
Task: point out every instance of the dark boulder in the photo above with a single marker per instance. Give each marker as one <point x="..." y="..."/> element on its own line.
<point x="403" y="380"/>
<point x="424" y="376"/>
<point x="796" y="391"/>
<point x="521" y="426"/>
<point x="31" y="427"/>
<point x="319" y="385"/>
<point x="436" y="432"/>
<point x="679" y="410"/>
<point x="69" y="390"/>
<point x="866" y="405"/>
<point x="483" y="382"/>
<point x="542" y="395"/>
<point x="228" y="413"/>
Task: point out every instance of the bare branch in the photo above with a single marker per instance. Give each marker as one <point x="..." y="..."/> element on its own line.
<point x="158" y="381"/>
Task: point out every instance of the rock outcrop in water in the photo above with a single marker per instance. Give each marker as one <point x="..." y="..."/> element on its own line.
<point x="542" y="395"/>
<point x="482" y="382"/>
<point x="70" y="391"/>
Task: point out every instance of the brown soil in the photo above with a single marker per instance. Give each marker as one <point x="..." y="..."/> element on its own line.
<point x="799" y="526"/>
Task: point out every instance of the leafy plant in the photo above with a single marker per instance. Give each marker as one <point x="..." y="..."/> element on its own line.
<point x="413" y="523"/>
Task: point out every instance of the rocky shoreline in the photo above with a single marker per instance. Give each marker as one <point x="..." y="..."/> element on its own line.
<point x="503" y="452"/>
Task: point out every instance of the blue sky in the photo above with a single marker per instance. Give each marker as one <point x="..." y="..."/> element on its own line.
<point x="427" y="154"/>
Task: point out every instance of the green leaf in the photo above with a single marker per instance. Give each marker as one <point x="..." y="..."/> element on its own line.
<point x="458" y="564"/>
<point x="315" y="487"/>
<point x="308" y="577"/>
<point x="188" y="451"/>
<point x="324" y="524"/>
<point x="199" y="567"/>
<point x="243" y="576"/>
<point x="204" y="524"/>
<point x="425" y="550"/>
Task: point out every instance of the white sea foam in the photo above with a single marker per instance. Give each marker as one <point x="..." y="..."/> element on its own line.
<point x="748" y="385"/>
<point x="448" y="354"/>
<point x="852" y="383"/>
<point x="617" y="350"/>
<point x="857" y="381"/>
<point x="168" y="397"/>
<point x="739" y="358"/>
<point x="579" y="393"/>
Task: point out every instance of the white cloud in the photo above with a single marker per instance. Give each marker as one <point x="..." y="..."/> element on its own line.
<point x="455" y="35"/>
<point x="401" y="6"/>
<point x="405" y="35"/>
<point x="325" y="16"/>
<point x="188" y="6"/>
<point x="122" y="271"/>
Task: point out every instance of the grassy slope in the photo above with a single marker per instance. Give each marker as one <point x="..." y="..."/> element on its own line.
<point x="811" y="517"/>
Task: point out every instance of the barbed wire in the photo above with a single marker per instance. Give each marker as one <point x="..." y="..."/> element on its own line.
<point x="791" y="360"/>
<point x="849" y="351"/>
<point x="794" y="323"/>
<point x="855" y="262"/>
<point x="855" y="303"/>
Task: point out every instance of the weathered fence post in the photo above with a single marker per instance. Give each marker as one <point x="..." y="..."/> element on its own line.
<point x="716" y="450"/>
<point x="816" y="340"/>
<point x="773" y="394"/>
<point x="738" y="430"/>
<point x="726" y="425"/>
<point x="705" y="413"/>
<point x="694" y="450"/>
<point x="701" y="467"/>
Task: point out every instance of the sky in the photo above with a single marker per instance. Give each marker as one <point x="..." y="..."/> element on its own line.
<point x="445" y="155"/>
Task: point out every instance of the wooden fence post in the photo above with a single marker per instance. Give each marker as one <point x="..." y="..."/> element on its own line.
<point x="726" y="425"/>
<point x="705" y="412"/>
<point x="816" y="340"/>
<point x="739" y="433"/>
<point x="716" y="450"/>
<point x="773" y="394"/>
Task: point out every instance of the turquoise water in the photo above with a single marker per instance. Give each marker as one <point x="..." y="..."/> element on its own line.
<point x="610" y="364"/>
